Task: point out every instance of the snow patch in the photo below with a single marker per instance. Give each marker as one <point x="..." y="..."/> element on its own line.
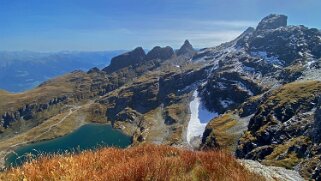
<point x="226" y="103"/>
<point x="195" y="126"/>
<point x="310" y="63"/>
<point x="204" y="83"/>
<point x="242" y="86"/>
<point x="270" y="59"/>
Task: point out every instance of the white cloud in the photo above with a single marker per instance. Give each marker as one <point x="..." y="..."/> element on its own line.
<point x="225" y="23"/>
<point x="199" y="39"/>
<point x="172" y="32"/>
<point x="201" y="33"/>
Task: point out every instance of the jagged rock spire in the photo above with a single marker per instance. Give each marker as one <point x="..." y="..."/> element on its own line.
<point x="186" y="49"/>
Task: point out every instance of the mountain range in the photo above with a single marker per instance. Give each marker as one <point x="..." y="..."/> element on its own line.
<point x="257" y="96"/>
<point x="24" y="70"/>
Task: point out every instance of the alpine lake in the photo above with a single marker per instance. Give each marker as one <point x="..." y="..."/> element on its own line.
<point x="87" y="137"/>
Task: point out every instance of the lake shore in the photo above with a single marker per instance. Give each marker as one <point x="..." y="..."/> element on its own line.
<point x="57" y="126"/>
<point x="88" y="137"/>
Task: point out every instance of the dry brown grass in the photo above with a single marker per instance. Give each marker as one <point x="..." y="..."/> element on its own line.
<point x="146" y="162"/>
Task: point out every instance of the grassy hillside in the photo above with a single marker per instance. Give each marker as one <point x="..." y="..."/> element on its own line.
<point x="24" y="70"/>
<point x="64" y="85"/>
<point x="145" y="162"/>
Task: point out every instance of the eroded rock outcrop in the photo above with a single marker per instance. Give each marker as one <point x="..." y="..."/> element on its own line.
<point x="130" y="58"/>
<point x="29" y="111"/>
<point x="160" y="53"/>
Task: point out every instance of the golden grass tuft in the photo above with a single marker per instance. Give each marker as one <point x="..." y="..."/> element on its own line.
<point x="295" y="92"/>
<point x="288" y="159"/>
<point x="145" y="162"/>
<point x="220" y="127"/>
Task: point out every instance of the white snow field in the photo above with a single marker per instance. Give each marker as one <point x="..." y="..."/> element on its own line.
<point x="195" y="126"/>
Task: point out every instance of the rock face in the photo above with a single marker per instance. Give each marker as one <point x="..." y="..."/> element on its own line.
<point x="186" y="50"/>
<point x="160" y="53"/>
<point x="283" y="46"/>
<point x="163" y="94"/>
<point x="93" y="70"/>
<point x="137" y="58"/>
<point x="29" y="111"/>
<point x="248" y="84"/>
<point x="317" y="129"/>
<point x="270" y="172"/>
<point x="226" y="90"/>
<point x="274" y="52"/>
<point x="281" y="133"/>
<point x="130" y="58"/>
<point x="272" y="21"/>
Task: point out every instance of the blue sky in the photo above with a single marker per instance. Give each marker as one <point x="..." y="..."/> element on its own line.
<point x="55" y="25"/>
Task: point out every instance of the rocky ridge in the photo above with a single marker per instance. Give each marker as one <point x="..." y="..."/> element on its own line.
<point x="130" y="58"/>
<point x="125" y="90"/>
<point x="249" y="86"/>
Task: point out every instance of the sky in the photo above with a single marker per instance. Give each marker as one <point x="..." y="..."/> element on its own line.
<point x="95" y="25"/>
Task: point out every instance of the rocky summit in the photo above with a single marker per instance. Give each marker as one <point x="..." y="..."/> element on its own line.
<point x="131" y="58"/>
<point x="160" y="53"/>
<point x="257" y="96"/>
<point x="272" y="21"/>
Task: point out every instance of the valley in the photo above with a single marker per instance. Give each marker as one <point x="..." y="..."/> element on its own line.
<point x="258" y="97"/>
<point x="24" y="70"/>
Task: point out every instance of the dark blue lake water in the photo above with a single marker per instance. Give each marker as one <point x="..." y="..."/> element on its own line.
<point x="90" y="136"/>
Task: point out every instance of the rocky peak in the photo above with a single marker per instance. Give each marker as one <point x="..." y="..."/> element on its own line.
<point x="281" y="46"/>
<point x="160" y="53"/>
<point x="186" y="49"/>
<point x="126" y="59"/>
<point x="248" y="31"/>
<point x="93" y="70"/>
<point x="272" y="21"/>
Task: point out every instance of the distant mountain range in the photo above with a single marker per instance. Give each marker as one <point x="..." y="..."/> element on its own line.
<point x="23" y="70"/>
